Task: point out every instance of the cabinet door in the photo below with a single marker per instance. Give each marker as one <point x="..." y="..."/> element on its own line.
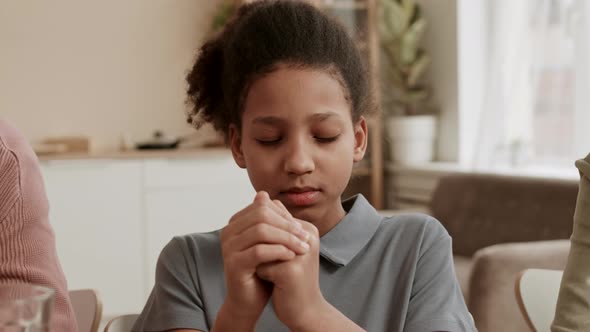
<point x="190" y="196"/>
<point x="95" y="211"/>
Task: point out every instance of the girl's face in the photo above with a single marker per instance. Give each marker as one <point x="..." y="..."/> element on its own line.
<point x="298" y="142"/>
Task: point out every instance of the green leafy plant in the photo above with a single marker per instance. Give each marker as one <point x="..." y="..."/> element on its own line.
<point x="224" y="12"/>
<point x="401" y="27"/>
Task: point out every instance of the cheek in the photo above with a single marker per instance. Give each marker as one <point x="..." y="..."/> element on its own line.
<point x="257" y="181"/>
<point x="344" y="151"/>
<point x="260" y="168"/>
<point x="341" y="161"/>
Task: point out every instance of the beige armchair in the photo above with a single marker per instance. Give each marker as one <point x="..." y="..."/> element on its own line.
<point x="500" y="226"/>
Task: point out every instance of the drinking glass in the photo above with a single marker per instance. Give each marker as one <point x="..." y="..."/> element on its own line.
<point x="25" y="308"/>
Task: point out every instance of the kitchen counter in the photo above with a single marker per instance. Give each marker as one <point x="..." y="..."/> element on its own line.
<point x="137" y="154"/>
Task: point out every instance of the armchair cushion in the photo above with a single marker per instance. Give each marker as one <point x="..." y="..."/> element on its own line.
<point x="463" y="266"/>
<point x="480" y="210"/>
<point x="492" y="300"/>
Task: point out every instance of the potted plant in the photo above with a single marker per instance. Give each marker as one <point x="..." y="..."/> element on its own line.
<point x="410" y="122"/>
<point x="225" y="10"/>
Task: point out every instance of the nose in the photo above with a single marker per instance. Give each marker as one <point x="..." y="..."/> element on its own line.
<point x="298" y="158"/>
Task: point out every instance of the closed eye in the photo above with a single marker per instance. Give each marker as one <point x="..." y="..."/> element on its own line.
<point x="269" y="141"/>
<point x="327" y="139"/>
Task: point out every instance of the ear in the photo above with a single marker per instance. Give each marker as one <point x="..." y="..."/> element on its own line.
<point x="360" y="139"/>
<point x="235" y="144"/>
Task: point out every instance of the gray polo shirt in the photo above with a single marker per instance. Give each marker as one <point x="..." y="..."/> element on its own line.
<point x="385" y="274"/>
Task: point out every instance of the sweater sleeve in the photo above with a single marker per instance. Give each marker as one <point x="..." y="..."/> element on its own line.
<point x="573" y="305"/>
<point x="27" y="243"/>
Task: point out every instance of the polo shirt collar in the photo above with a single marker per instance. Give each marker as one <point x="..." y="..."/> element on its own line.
<point x="343" y="242"/>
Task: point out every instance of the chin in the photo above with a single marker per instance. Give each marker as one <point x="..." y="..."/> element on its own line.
<point x="307" y="213"/>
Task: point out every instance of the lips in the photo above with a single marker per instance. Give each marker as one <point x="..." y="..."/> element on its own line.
<point x="301" y="196"/>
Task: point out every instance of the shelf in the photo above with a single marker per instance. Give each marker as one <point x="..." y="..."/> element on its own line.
<point x="361" y="171"/>
<point x="438" y="169"/>
<point x="137" y="154"/>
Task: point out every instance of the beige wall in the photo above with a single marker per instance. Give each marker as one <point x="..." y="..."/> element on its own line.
<point x="103" y="68"/>
<point x="441" y="41"/>
<point x="98" y="68"/>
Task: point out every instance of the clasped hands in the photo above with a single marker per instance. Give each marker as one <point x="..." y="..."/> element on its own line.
<point x="269" y="254"/>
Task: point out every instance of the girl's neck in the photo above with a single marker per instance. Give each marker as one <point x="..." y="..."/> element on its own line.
<point x="330" y="219"/>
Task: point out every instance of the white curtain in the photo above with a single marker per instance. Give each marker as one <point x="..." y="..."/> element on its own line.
<point x="582" y="60"/>
<point x="537" y="85"/>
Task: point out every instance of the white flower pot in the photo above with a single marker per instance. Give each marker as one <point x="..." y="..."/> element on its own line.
<point x="411" y="138"/>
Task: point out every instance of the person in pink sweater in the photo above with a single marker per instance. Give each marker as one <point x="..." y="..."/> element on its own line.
<point x="27" y="241"/>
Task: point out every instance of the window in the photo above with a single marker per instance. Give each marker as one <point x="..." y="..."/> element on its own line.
<point x="535" y="88"/>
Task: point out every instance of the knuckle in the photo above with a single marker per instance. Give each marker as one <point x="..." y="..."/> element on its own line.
<point x="310" y="228"/>
<point x="256" y="204"/>
<point x="264" y="199"/>
<point x="283" y="250"/>
<point x="313" y="230"/>
<point x="291" y="239"/>
<point x="287" y="253"/>
<point x="265" y="214"/>
<point x="261" y="230"/>
<point x="293" y="269"/>
<point x="278" y="204"/>
<point x="258" y="252"/>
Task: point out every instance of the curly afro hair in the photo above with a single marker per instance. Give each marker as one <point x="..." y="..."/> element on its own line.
<point x="260" y="36"/>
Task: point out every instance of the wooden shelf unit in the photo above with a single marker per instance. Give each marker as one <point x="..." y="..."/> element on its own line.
<point x="360" y="16"/>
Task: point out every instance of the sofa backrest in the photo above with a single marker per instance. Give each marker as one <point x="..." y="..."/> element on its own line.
<point x="479" y="210"/>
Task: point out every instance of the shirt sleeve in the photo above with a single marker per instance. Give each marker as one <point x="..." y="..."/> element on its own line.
<point x="175" y="301"/>
<point x="27" y="240"/>
<point x="436" y="301"/>
<point x="573" y="303"/>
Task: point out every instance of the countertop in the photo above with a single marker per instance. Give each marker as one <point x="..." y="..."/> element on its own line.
<point x="138" y="154"/>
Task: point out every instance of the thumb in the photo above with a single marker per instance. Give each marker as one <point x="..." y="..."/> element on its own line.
<point x="261" y="196"/>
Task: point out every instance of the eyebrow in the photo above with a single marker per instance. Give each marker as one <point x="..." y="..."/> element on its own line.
<point x="324" y="115"/>
<point x="268" y="120"/>
<point x="273" y="120"/>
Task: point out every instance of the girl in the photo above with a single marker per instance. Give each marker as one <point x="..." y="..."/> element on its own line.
<point x="286" y="85"/>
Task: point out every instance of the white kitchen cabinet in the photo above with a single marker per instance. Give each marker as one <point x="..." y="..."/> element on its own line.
<point x="112" y="217"/>
<point x="95" y="210"/>
<point x="190" y="196"/>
